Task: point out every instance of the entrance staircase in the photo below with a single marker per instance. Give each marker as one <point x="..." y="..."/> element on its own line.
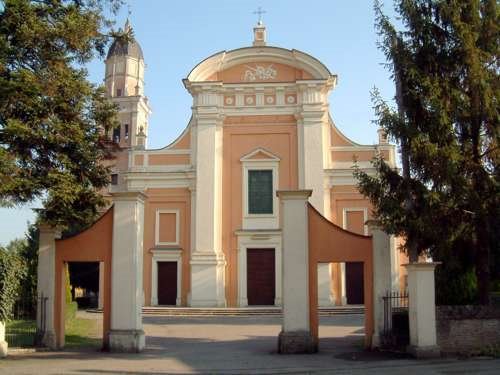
<point x="243" y="311"/>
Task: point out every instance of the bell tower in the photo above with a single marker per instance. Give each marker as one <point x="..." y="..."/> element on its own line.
<point x="124" y="81"/>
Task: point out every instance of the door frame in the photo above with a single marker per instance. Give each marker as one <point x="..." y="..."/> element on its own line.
<point x="258" y="239"/>
<point x="165" y="255"/>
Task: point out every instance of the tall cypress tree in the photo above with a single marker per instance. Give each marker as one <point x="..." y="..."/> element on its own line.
<point x="446" y="200"/>
<point x="51" y="116"/>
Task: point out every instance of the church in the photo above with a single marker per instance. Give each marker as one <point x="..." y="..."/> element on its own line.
<point x="260" y="123"/>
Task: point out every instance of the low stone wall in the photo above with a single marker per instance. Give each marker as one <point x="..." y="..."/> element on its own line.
<point x="466" y="329"/>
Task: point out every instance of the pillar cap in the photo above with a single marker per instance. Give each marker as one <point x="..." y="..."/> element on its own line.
<point x="128" y="195"/>
<point x="47" y="228"/>
<point x="293" y="194"/>
<point x="422" y="265"/>
<point x="374" y="224"/>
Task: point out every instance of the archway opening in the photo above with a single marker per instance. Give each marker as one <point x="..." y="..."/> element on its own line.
<point x="83" y="323"/>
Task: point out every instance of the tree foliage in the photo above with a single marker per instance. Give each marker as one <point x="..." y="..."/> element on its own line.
<point x="52" y="119"/>
<point x="446" y="201"/>
<point x="11" y="274"/>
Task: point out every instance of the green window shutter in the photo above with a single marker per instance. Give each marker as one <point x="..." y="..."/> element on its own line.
<point x="260" y="192"/>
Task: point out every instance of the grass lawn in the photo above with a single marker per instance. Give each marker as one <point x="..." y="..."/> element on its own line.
<point x="82" y="333"/>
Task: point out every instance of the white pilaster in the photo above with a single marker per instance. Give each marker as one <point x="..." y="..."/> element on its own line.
<point x="422" y="310"/>
<point x="100" y="301"/>
<point x="325" y="297"/>
<point x="46" y="285"/>
<point x="295" y="336"/>
<point x="311" y="123"/>
<point x="207" y="259"/>
<point x="126" y="333"/>
<point x="382" y="276"/>
<point x="343" y="293"/>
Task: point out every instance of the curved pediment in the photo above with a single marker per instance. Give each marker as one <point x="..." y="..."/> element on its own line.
<point x="259" y="64"/>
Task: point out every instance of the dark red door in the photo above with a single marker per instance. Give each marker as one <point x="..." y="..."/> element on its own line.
<point x="167" y="283"/>
<point x="260" y="276"/>
<point x="354" y="283"/>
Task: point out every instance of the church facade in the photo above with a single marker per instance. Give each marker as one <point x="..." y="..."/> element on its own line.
<point x="260" y="123"/>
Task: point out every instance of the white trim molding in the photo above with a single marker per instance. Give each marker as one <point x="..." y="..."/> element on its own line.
<point x="157" y="227"/>
<point x="165" y="255"/>
<point x="270" y="162"/>
<point x="258" y="239"/>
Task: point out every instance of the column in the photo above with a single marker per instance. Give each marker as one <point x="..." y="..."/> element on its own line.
<point x="325" y="297"/>
<point x="126" y="334"/>
<point x="207" y="259"/>
<point x="295" y="335"/>
<point x="382" y="276"/>
<point x="343" y="293"/>
<point x="100" y="301"/>
<point x="422" y="310"/>
<point x="46" y="286"/>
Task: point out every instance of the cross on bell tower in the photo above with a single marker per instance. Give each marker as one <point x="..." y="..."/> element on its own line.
<point x="259" y="31"/>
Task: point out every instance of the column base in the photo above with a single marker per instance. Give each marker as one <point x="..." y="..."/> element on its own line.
<point x="3" y="349"/>
<point x="126" y="340"/>
<point x="297" y="342"/>
<point x="46" y="339"/>
<point x="424" y="352"/>
<point x="207" y="280"/>
<point x="376" y="343"/>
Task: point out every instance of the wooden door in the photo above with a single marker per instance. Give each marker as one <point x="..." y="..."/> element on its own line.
<point x="261" y="282"/>
<point x="354" y="281"/>
<point x="167" y="283"/>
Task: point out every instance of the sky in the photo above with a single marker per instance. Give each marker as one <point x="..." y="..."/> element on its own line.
<point x="176" y="35"/>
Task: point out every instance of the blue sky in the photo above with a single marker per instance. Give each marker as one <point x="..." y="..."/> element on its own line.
<point x="176" y="35"/>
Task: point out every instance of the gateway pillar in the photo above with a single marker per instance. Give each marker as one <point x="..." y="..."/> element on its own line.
<point x="295" y="335"/>
<point x="46" y="286"/>
<point x="126" y="334"/>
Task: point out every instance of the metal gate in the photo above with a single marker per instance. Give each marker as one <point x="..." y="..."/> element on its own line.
<point x="21" y="330"/>
<point x="396" y="332"/>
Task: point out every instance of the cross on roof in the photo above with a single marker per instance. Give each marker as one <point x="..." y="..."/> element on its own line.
<point x="259" y="12"/>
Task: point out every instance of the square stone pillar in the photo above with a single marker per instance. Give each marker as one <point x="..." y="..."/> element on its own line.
<point x="422" y="310"/>
<point x="295" y="335"/>
<point x="126" y="334"/>
<point x="46" y="285"/>
<point x="325" y="297"/>
<point x="3" y="344"/>
<point x="382" y="276"/>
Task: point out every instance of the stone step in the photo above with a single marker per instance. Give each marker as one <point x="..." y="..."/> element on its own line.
<point x="237" y="311"/>
<point x="187" y="311"/>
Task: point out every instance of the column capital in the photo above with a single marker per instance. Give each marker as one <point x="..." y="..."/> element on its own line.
<point x="129" y="196"/>
<point x="374" y="224"/>
<point x="47" y="229"/>
<point x="294" y="194"/>
<point x="422" y="266"/>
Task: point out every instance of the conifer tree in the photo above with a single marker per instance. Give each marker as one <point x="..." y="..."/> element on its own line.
<point x="446" y="199"/>
<point x="52" y="118"/>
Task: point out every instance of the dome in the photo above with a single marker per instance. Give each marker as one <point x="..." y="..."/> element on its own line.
<point x="123" y="48"/>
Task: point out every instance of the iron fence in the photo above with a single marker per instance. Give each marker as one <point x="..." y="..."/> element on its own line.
<point x="21" y="331"/>
<point x="396" y="325"/>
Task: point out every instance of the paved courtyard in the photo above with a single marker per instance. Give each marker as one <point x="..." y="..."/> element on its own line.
<point x="232" y="345"/>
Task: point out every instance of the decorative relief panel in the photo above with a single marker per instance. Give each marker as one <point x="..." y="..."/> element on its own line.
<point x="291" y="98"/>
<point x="259" y="72"/>
<point x="229" y="100"/>
<point x="249" y="99"/>
<point x="269" y="99"/>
